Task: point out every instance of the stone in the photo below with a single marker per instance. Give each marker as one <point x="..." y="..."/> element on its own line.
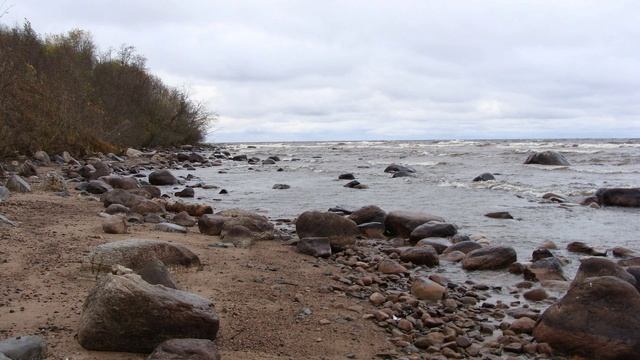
<point x="426" y="289"/>
<point x="391" y="267"/>
<point x="126" y="314"/>
<point x="152" y="191"/>
<point x="6" y="222"/>
<point x="240" y="158"/>
<point x="355" y="184"/>
<point x="424" y="255"/>
<point x="619" y="251"/>
<point x="580" y="247"/>
<point x="121" y="197"/>
<point x="453" y="256"/>
<point x="402" y="223"/>
<point x="121" y="182"/>
<point x="135" y="253"/>
<point x="155" y="273"/>
<point x="348" y="176"/>
<point x="401" y="174"/>
<point x="438" y="245"/>
<point x="24" y="348"/>
<point x="209" y="224"/>
<point x="394" y="168"/>
<point x="196" y="210"/>
<point x="133" y="153"/>
<point x="489" y="258"/>
<point x="484" y="177"/>
<point x="538" y="294"/>
<point x="597" y="319"/>
<point x="499" y="215"/>
<point x="184" y="219"/>
<point x="98" y="187"/>
<point x="186" y="193"/>
<point x="116" y="209"/>
<point x="463" y="246"/>
<point x="55" y="182"/>
<point x="115" y="225"/>
<point x="17" y="184"/>
<point x="540" y="253"/>
<point x="42" y="157"/>
<point x="619" y="197"/>
<point x="146" y="206"/>
<point x="238" y="235"/>
<point x="281" y="187"/>
<point x="595" y="267"/>
<point x="314" y="246"/>
<point x="170" y="228"/>
<point x="186" y="349"/>
<point x="547" y="158"/>
<point x="162" y="177"/>
<point x="4" y="193"/>
<point x="433" y="338"/>
<point x="377" y="299"/>
<point x="548" y="244"/>
<point x="368" y="214"/>
<point x="259" y="227"/>
<point x="432" y="229"/>
<point x="27" y="169"/>
<point x="372" y="230"/>
<point x="545" y="269"/>
<point x="341" y="231"/>
<point x="523" y="325"/>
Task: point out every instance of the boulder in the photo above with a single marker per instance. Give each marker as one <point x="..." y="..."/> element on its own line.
<point x="402" y="223"/>
<point x="453" y="256"/>
<point x="170" y="228"/>
<point x="184" y="219"/>
<point x="97" y="187"/>
<point x="347" y="176"/>
<point x="523" y="325"/>
<point x="211" y="224"/>
<point x="17" y="184"/>
<point x="432" y="229"/>
<point x="240" y="236"/>
<point x="372" y="230"/>
<point x="368" y="214"/>
<point x="540" y="253"/>
<point x="355" y="184"/>
<point x="582" y="248"/>
<point x="133" y="153"/>
<point x="27" y="169"/>
<point x="95" y="170"/>
<point x="186" y="349"/>
<point x="545" y="269"/>
<point x="484" y="177"/>
<point x="24" y="348"/>
<point x="146" y="206"/>
<point x="499" y="215"/>
<point x="424" y="255"/>
<point x="135" y="253"/>
<point x="259" y="227"/>
<point x="126" y="314"/>
<point x="186" y="193"/>
<point x="155" y="273"/>
<point x="341" y="231"/>
<point x="162" y="177"/>
<point x="394" y="168"/>
<point x="619" y="197"/>
<point x="426" y="289"/>
<point x="240" y="158"/>
<point x="115" y="225"/>
<point x="594" y="267"/>
<point x="4" y="193"/>
<point x="116" y="209"/>
<point x="547" y="158"/>
<point x="121" y="197"/>
<point x="151" y="190"/>
<point x="314" y="246"/>
<point x="121" y="182"/>
<point x="196" y="210"/>
<point x="489" y="258"/>
<point x="463" y="246"/>
<point x="538" y="294"/>
<point x="54" y="182"/>
<point x="438" y="245"/>
<point x="42" y="157"/>
<point x="391" y="267"/>
<point x="280" y="187"/>
<point x="635" y="272"/>
<point x="401" y="174"/>
<point x="597" y="319"/>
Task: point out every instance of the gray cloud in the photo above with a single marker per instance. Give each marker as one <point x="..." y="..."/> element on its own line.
<point x="306" y="70"/>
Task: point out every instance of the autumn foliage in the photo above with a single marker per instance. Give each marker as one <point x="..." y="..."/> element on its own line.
<point x="57" y="93"/>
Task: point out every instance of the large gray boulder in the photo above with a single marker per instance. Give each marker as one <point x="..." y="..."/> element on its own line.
<point x="136" y="253"/>
<point x="598" y="318"/>
<point x="125" y="313"/>
<point x="24" y="348"/>
<point x="619" y="197"/>
<point x="341" y="231"/>
<point x="547" y="158"/>
<point x="368" y="214"/>
<point x="162" y="177"/>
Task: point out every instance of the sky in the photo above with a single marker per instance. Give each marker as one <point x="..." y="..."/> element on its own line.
<point x="380" y="70"/>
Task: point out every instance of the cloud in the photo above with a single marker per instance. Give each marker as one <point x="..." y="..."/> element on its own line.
<point x="308" y="70"/>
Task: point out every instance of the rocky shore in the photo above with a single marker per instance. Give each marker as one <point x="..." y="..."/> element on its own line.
<point x="113" y="257"/>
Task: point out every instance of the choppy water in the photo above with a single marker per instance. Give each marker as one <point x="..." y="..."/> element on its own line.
<point x="443" y="186"/>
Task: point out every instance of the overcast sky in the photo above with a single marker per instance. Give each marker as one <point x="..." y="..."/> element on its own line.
<point x="342" y="70"/>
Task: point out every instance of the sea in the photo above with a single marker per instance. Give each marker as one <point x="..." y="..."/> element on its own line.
<point x="443" y="186"/>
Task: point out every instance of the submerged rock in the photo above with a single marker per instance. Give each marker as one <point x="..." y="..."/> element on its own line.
<point x="394" y="168"/>
<point x="619" y="197"/>
<point x="125" y="313"/>
<point x="484" y="177"/>
<point x="499" y="215"/>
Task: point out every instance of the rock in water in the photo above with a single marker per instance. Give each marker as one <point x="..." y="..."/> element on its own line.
<point x="395" y="168"/>
<point x="499" y="215"/>
<point x="594" y="267"/>
<point x="598" y="319"/>
<point x="134" y="254"/>
<point x="484" y="177"/>
<point x="186" y="349"/>
<point x="368" y="214"/>
<point x="424" y="255"/>
<point x="125" y="313"/>
<point x="18" y="184"/>
<point x="547" y="158"/>
<point x="186" y="193"/>
<point x="402" y="223"/>
<point x="24" y="348"/>
<point x="619" y="197"/>
<point x="489" y="258"/>
<point x="432" y="229"/>
<point x="318" y="246"/>
<point x="341" y="231"/>
<point x="162" y="177"/>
